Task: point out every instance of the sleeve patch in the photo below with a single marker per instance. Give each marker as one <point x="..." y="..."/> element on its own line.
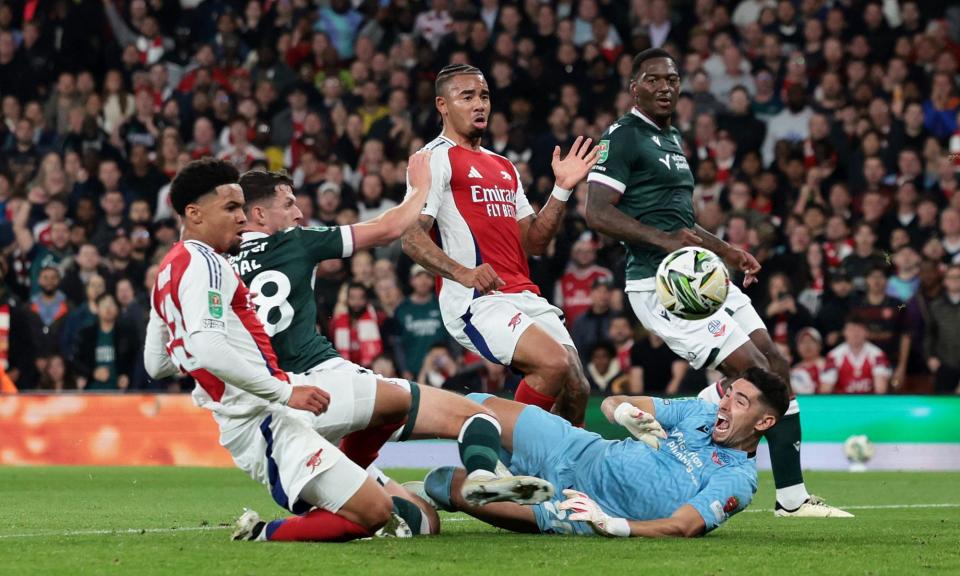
<point x="215" y="304"/>
<point x="604" y="149"/>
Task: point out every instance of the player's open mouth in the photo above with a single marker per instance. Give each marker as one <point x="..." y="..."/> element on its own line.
<point x="480" y="122"/>
<point x="664" y="100"/>
<point x="722" y="423"/>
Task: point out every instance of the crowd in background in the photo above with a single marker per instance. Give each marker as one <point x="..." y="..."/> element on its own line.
<point x="823" y="137"/>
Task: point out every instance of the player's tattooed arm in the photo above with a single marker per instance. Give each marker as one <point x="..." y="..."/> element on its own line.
<point x="418" y="245"/>
<point x="537" y="231"/>
<point x="604" y="217"/>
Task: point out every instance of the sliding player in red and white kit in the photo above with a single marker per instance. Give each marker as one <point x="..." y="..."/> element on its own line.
<point x="486" y="230"/>
<point x="276" y="425"/>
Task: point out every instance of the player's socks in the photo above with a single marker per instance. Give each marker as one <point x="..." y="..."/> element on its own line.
<point x="363" y="446"/>
<point x="784" y="442"/>
<point x="412" y="515"/>
<point x="526" y="394"/>
<point x="479" y="444"/>
<point x="314" y="526"/>
<point x="438" y="484"/>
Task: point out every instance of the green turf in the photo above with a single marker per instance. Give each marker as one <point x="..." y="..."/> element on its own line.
<point x="39" y="507"/>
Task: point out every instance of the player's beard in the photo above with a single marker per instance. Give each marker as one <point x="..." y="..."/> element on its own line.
<point x="234" y="248"/>
<point x="475" y="133"/>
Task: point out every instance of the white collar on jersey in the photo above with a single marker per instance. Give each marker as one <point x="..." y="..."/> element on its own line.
<point x="248" y="236"/>
<point x="643" y="117"/>
<point x="201" y="244"/>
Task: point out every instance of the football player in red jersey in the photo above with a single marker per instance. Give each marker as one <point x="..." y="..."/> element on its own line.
<point x="486" y="229"/>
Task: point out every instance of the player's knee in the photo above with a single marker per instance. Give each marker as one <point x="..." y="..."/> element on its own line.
<point x="376" y="513"/>
<point x="557" y="366"/>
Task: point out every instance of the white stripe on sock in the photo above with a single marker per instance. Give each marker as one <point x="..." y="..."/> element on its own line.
<point x="470" y="420"/>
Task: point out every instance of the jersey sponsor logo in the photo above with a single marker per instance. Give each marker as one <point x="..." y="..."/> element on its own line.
<point x="314" y="460"/>
<point x="656" y="139"/>
<point x="474" y="173"/>
<point x="719" y="458"/>
<point x="731" y="505"/>
<point x="604" y="148"/>
<point x="678" y="448"/>
<point x="679" y="161"/>
<point x="514" y="322"/>
<point x="500" y="202"/>
<point x="717" y="328"/>
<point x="215" y="304"/>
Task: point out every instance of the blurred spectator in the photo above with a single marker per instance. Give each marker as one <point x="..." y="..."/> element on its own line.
<point x="886" y="323"/>
<point x="48" y="311"/>
<point x="106" y="350"/>
<point x="419" y="322"/>
<point x="780" y="312"/>
<point x="86" y="265"/>
<point x="865" y="256"/>
<point x="838" y="300"/>
<point x="572" y="292"/>
<point x="593" y="325"/>
<point x="438" y="366"/>
<point x="813" y="374"/>
<point x="356" y="329"/>
<point x="56" y="377"/>
<point x="655" y="369"/>
<point x="942" y="342"/>
<point x="604" y="372"/>
<point x="862" y="367"/>
<point x="83" y="315"/>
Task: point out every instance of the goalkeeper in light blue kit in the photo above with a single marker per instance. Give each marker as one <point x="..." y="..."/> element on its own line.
<point x="689" y="469"/>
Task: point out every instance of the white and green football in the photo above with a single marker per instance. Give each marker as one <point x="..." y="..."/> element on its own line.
<point x="692" y="283"/>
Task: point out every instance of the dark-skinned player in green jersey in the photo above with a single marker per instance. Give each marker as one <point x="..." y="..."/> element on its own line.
<point x="641" y="193"/>
<point x="278" y="259"/>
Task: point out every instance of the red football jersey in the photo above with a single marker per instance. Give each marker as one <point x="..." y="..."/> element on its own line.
<point x="856" y="371"/>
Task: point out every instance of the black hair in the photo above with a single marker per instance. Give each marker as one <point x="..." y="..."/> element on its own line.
<point x="199" y="178"/>
<point x="774" y="392"/>
<point x="355" y="284"/>
<point x="648" y="54"/>
<point x="448" y="72"/>
<point x="261" y="187"/>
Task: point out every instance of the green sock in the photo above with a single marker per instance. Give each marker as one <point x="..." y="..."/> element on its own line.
<point x="411" y="514"/>
<point x="479" y="443"/>
<point x="784" y="442"/>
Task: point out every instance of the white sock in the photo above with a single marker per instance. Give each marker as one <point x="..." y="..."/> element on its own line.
<point x="792" y="497"/>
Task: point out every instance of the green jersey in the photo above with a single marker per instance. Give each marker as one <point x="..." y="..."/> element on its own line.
<point x="647" y="166"/>
<point x="281" y="270"/>
<point x="420" y="328"/>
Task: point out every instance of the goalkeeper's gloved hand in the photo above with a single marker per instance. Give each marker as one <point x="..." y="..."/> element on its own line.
<point x="586" y="510"/>
<point x="642" y="425"/>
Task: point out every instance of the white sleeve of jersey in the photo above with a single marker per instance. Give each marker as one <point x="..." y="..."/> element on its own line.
<point x="440" y="175"/>
<point x="523" y="205"/>
<point x="155" y="357"/>
<point x="206" y="289"/>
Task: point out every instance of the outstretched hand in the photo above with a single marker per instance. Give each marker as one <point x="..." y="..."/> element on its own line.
<point x="744" y="262"/>
<point x="572" y="169"/>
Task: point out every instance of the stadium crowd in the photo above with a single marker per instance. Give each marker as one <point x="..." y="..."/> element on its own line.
<point x="824" y="136"/>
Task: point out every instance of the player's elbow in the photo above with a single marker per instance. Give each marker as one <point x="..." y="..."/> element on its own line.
<point x="593" y="214"/>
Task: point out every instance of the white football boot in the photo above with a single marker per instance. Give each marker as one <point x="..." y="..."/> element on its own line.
<point x="814" y="507"/>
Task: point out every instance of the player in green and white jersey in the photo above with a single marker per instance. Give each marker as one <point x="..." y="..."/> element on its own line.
<point x="641" y="193"/>
<point x="277" y="260"/>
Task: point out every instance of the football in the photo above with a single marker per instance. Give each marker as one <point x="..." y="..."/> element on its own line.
<point x="859" y="450"/>
<point x="692" y="283"/>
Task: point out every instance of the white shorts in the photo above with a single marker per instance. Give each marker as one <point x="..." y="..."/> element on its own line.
<point x="705" y="342"/>
<point x="280" y="449"/>
<point x="352" y="399"/>
<point x="494" y="323"/>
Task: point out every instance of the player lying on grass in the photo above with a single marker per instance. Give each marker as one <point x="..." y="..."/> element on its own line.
<point x="278" y="260"/>
<point x="203" y="323"/>
<point x="692" y="467"/>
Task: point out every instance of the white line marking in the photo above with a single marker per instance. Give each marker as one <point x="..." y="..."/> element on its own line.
<point x="121" y="531"/>
<point x="875" y="507"/>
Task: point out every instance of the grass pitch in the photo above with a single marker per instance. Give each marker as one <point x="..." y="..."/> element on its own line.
<point x="176" y="521"/>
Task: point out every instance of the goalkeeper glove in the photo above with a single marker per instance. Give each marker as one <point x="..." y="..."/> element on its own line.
<point x="586" y="510"/>
<point x="642" y="425"/>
